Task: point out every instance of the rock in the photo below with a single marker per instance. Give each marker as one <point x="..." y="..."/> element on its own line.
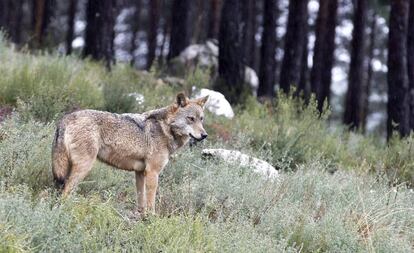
<point x="238" y="158"/>
<point x="206" y="56"/>
<point x="252" y="79"/>
<point x="216" y="103"/>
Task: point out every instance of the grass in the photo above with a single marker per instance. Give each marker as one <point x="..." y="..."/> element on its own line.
<point x="338" y="191"/>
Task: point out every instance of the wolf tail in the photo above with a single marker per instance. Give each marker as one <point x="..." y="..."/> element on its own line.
<point x="60" y="159"/>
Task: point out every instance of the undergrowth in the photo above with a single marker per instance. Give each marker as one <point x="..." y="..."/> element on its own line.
<point x="337" y="191"/>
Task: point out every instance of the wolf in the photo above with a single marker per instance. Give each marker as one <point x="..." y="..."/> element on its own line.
<point x="141" y="143"/>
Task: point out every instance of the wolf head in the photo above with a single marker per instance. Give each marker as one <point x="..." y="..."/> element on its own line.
<point x="188" y="117"/>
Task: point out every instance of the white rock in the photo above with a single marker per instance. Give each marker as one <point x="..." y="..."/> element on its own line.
<point x="190" y="53"/>
<point x="216" y="103"/>
<point x="206" y="56"/>
<point x="238" y="158"/>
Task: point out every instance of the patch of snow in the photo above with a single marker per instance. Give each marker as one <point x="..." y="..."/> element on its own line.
<point x="216" y="103"/>
<point x="237" y="158"/>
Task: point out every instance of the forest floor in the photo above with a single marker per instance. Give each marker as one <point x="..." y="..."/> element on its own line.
<point x="337" y="191"/>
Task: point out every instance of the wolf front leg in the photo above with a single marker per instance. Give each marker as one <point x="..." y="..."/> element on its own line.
<point x="151" y="179"/>
<point x="141" y="192"/>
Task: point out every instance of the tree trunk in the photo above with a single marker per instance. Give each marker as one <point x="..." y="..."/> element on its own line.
<point x="256" y="45"/>
<point x="165" y="31"/>
<point x="201" y="21"/>
<point x="180" y="36"/>
<point x="410" y="62"/>
<point x="267" y="75"/>
<point x="71" y="25"/>
<point x="153" y="31"/>
<point x="135" y="25"/>
<point x="304" y="85"/>
<point x="398" y="92"/>
<point x="231" y="66"/>
<point x="323" y="56"/>
<point x="99" y="35"/>
<point x="42" y="13"/>
<point x="214" y="19"/>
<point x="354" y="103"/>
<point x="368" y="85"/>
<point x="12" y="18"/>
<point x="294" y="38"/>
<point x="249" y="17"/>
<point x="3" y="11"/>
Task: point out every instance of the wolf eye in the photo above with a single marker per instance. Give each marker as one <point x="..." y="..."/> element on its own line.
<point x="192" y="119"/>
<point x="202" y="118"/>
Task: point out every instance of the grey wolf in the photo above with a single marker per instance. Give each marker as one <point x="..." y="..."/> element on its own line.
<point x="141" y="143"/>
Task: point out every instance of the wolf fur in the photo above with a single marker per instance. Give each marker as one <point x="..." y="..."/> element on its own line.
<point x="141" y="143"/>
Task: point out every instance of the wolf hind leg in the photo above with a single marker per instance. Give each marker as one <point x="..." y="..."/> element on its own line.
<point x="80" y="169"/>
<point x="60" y="165"/>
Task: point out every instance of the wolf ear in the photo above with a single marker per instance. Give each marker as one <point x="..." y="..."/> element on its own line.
<point x="202" y="101"/>
<point x="182" y="99"/>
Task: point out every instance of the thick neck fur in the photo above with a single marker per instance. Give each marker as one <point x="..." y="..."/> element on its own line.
<point x="163" y="116"/>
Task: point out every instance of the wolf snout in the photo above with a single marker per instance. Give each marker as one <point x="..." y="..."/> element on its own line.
<point x="204" y="135"/>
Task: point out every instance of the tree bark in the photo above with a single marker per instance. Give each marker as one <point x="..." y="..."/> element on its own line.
<point x="304" y="85"/>
<point x="410" y="62"/>
<point x="153" y="31"/>
<point x="267" y="75"/>
<point x="323" y="56"/>
<point x="71" y="25"/>
<point x="249" y="20"/>
<point x="368" y="85"/>
<point x="231" y="65"/>
<point x="100" y="17"/>
<point x="214" y="19"/>
<point x="398" y="92"/>
<point x="42" y="13"/>
<point x="12" y="19"/>
<point x="294" y="38"/>
<point x="166" y="26"/>
<point x="353" y="116"/>
<point x="135" y="25"/>
<point x="201" y="21"/>
<point x="180" y="36"/>
<point x="3" y="11"/>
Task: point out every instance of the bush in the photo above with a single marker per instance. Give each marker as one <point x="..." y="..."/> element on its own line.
<point x="25" y="154"/>
<point x="49" y="84"/>
<point x="203" y="205"/>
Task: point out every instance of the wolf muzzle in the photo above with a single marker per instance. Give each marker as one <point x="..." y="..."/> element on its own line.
<point x="203" y="136"/>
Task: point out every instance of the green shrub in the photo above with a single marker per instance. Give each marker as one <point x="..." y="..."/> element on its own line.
<point x="25" y="154"/>
<point x="49" y="84"/>
<point x="203" y="205"/>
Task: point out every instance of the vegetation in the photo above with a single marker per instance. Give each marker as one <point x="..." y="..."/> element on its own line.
<point x="337" y="191"/>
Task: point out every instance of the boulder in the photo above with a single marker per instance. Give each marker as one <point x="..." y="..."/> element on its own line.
<point x="216" y="103"/>
<point x="237" y="158"/>
<point x="206" y="56"/>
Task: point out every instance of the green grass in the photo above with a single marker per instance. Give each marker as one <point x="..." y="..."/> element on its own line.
<point x="338" y="191"/>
